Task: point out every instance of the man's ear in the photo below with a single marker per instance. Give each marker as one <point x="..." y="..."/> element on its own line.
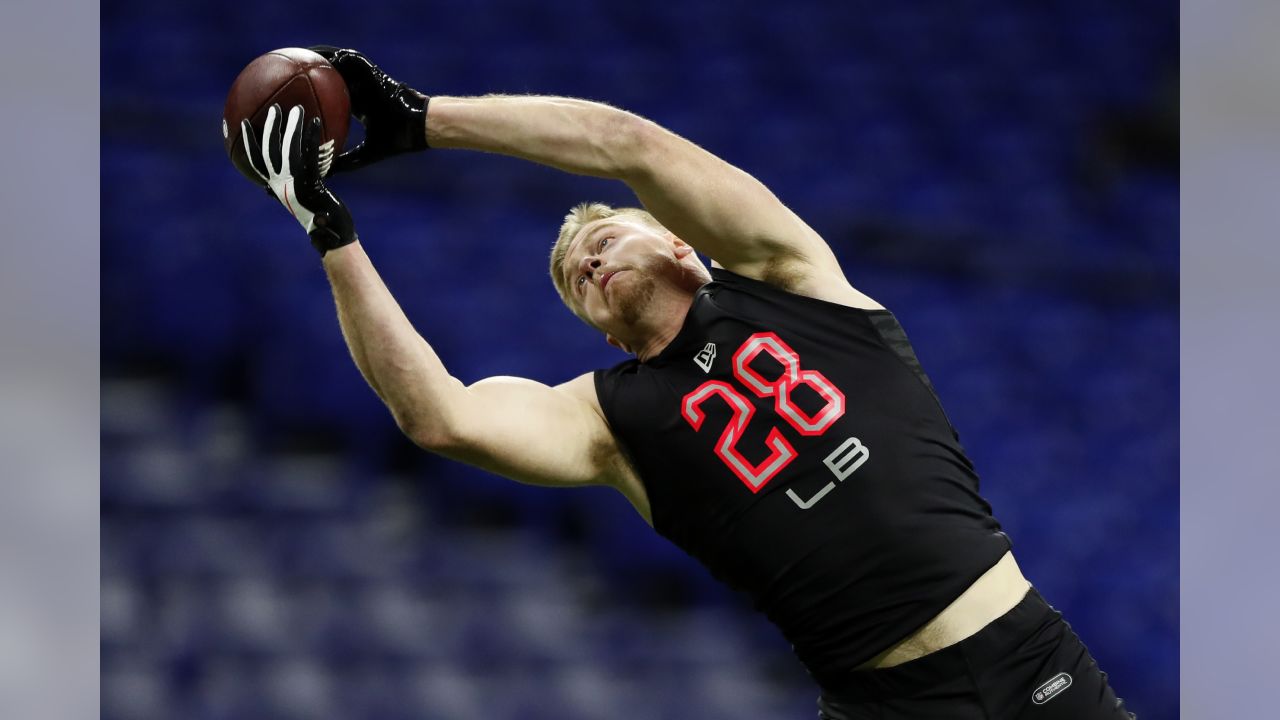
<point x="682" y="248"/>
<point x="616" y="343"/>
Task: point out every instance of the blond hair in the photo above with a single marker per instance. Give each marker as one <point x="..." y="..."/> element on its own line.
<point x="581" y="215"/>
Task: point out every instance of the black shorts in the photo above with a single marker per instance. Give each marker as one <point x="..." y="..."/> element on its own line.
<point x="1026" y="664"/>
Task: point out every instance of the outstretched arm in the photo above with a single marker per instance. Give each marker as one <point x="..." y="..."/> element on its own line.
<point x="518" y="428"/>
<point x="717" y="208"/>
<point x="513" y="427"/>
<point x="721" y="210"/>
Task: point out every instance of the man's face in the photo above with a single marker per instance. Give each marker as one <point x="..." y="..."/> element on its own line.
<point x="613" y="267"/>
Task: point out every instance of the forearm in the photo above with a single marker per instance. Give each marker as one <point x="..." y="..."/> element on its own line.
<point x="577" y="136"/>
<point x="395" y="360"/>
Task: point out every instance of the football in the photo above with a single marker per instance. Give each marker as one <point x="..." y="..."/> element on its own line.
<point x="289" y="76"/>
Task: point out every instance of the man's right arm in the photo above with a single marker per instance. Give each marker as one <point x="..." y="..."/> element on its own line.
<point x="514" y="427"/>
<point x="518" y="428"/>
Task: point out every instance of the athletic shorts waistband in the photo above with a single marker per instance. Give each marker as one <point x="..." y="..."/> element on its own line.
<point x="995" y="640"/>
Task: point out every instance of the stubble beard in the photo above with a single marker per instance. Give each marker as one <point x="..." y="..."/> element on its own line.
<point x="631" y="305"/>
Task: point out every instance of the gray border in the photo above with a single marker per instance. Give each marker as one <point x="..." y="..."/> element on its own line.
<point x="1230" y="355"/>
<point x="48" y="378"/>
<point x="49" y="206"/>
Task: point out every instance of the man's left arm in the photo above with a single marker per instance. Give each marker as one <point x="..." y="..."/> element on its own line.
<point x="717" y="208"/>
<point x="721" y="210"/>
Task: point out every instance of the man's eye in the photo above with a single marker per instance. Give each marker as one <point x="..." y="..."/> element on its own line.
<point x="581" y="279"/>
<point x="604" y="241"/>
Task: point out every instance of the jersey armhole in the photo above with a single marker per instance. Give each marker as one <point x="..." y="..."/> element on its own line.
<point x="604" y="399"/>
<point x="894" y="337"/>
<point x="742" y="283"/>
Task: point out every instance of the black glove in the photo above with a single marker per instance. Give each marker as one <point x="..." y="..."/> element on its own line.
<point x="292" y="164"/>
<point x="394" y="115"/>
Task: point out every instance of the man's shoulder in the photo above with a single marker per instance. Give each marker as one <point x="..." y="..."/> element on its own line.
<point x="802" y="281"/>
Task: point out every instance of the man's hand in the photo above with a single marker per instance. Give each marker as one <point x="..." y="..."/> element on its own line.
<point x="394" y="115"/>
<point x="292" y="164"/>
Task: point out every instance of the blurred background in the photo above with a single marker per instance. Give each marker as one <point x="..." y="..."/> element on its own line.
<point x="1003" y="176"/>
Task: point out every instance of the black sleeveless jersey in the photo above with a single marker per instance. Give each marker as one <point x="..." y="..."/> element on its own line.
<point x="798" y="451"/>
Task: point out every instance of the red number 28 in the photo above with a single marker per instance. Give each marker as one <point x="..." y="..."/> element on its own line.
<point x="780" y="389"/>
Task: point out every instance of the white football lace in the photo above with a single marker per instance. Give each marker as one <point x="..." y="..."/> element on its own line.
<point x="326" y="158"/>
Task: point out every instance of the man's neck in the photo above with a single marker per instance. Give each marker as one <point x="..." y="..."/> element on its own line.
<point x="674" y="313"/>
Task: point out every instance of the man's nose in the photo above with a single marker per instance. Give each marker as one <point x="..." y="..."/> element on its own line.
<point x="589" y="265"/>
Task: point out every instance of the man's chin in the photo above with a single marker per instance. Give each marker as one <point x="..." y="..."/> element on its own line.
<point x="631" y="302"/>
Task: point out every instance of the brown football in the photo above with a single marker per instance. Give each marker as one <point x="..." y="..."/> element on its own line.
<point x="289" y="76"/>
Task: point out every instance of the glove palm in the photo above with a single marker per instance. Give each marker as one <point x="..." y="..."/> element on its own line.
<point x="292" y="162"/>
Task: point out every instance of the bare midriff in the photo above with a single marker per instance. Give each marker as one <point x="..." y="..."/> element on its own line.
<point x="993" y="594"/>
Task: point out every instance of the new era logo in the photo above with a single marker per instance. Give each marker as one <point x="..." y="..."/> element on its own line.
<point x="705" y="357"/>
